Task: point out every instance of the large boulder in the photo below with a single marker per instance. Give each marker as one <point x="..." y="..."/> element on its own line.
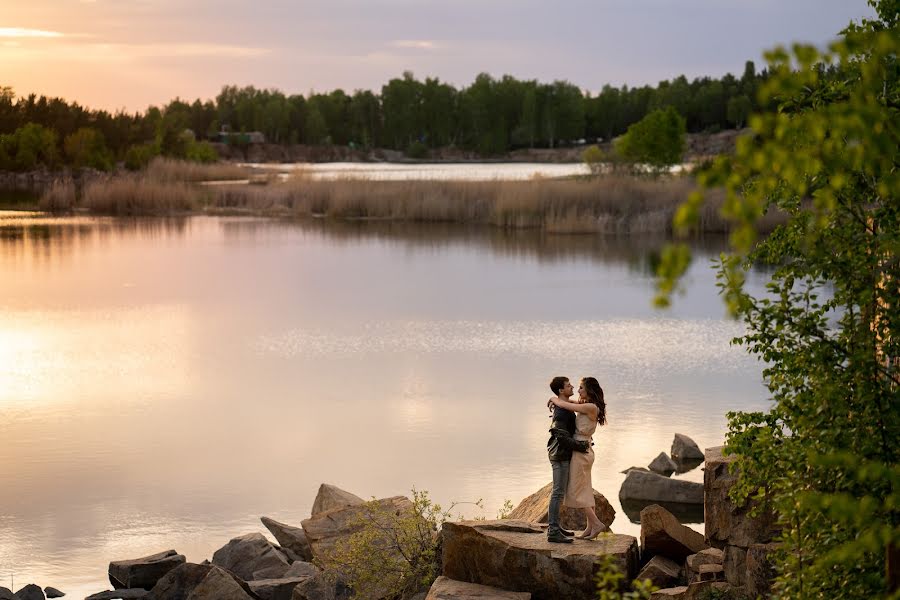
<point x="760" y="569"/>
<point x="662" y="534"/>
<point x="727" y="524"/>
<point x="445" y="588"/>
<point x="290" y="537"/>
<point x="6" y="594"/>
<point x="663" y="465"/>
<point x="515" y="555"/>
<point x="143" y="572"/>
<point x="247" y="554"/>
<point x="735" y="565"/>
<point x="535" y="507"/>
<point x="200" y="582"/>
<point x="130" y="594"/>
<point x="52" y="592"/>
<point x="661" y="571"/>
<point x="685" y="513"/>
<point x="275" y="589"/>
<point x="639" y="485"/>
<point x="316" y="588"/>
<point x="331" y="497"/>
<point x="685" y="449"/>
<point x="30" y="592"/>
<point x="324" y="530"/>
<point x="219" y="585"/>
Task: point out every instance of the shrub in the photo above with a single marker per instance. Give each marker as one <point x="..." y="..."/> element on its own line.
<point x="87" y="148"/>
<point x="657" y="140"/>
<point x="201" y="152"/>
<point x="139" y="156"/>
<point x="417" y="150"/>
<point x="393" y="554"/>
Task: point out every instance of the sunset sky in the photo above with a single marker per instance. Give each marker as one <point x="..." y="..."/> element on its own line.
<point x="132" y="53"/>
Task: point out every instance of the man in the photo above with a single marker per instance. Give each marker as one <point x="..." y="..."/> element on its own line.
<point x="559" y="451"/>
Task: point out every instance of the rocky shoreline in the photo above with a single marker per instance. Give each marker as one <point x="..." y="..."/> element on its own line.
<point x="508" y="558"/>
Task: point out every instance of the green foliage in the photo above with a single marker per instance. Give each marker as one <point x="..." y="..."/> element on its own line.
<point x="417" y="150"/>
<point x="392" y="554"/>
<point x="738" y="110"/>
<point x="87" y="148"/>
<point x="506" y="509"/>
<point x="826" y="454"/>
<point x="657" y="140"/>
<point x="27" y="148"/>
<point x="594" y="158"/>
<point x="139" y="156"/>
<point x="611" y="583"/>
<point x="201" y="152"/>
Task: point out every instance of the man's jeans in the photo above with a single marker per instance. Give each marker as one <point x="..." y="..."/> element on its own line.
<point x="560" y="481"/>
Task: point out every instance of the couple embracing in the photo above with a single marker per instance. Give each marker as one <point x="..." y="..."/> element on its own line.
<point x="571" y="455"/>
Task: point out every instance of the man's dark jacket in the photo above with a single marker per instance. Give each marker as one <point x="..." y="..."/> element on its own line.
<point x="561" y="443"/>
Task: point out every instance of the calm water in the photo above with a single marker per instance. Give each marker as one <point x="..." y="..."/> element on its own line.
<point x="431" y="171"/>
<point x="164" y="383"/>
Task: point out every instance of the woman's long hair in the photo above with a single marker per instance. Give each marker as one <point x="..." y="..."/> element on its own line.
<point x="595" y="397"/>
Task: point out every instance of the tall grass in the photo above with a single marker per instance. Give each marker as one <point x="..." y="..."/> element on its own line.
<point x="140" y="195"/>
<point x="613" y="203"/>
<point x="170" y="169"/>
<point x="59" y="196"/>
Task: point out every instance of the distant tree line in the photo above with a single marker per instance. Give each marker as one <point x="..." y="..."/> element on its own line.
<point x="490" y="116"/>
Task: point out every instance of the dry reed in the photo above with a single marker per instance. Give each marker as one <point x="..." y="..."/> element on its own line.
<point x="169" y="169"/>
<point x="139" y="195"/>
<point x="59" y="196"/>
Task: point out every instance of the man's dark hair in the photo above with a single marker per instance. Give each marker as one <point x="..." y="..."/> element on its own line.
<point x="558" y="383"/>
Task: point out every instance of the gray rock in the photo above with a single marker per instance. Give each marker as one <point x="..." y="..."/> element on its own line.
<point x="727" y="524"/>
<point x="684" y="448"/>
<point x="702" y="590"/>
<point x="663" y="465"/>
<point x="219" y="585"/>
<point x="710" y="556"/>
<point x="319" y="588"/>
<point x="132" y="594"/>
<point x="143" y="572"/>
<point x="644" y="469"/>
<point x="760" y="569"/>
<point x="277" y="572"/>
<point x="326" y="529"/>
<point x="6" y="594"/>
<point x="662" y="534"/>
<point x="30" y="592"/>
<point x="247" y="554"/>
<point x="52" y="592"/>
<point x="534" y="509"/>
<point x="445" y="588"/>
<point x="302" y="569"/>
<point x="276" y="589"/>
<point x="178" y="583"/>
<point x="661" y="571"/>
<point x="475" y="552"/>
<point x="200" y="582"/>
<point x="735" y="565"/>
<point x="639" y="485"/>
<point x="290" y="537"/>
<point x="331" y="497"/>
<point x="674" y="593"/>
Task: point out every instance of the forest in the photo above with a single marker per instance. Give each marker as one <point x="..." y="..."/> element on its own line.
<point x="491" y="116"/>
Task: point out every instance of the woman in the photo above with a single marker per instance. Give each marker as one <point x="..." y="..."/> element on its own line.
<point x="590" y="411"/>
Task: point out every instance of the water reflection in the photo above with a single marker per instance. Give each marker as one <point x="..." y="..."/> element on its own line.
<point x="165" y="382"/>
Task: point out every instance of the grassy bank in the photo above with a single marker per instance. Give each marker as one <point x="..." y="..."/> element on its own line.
<point x="608" y="204"/>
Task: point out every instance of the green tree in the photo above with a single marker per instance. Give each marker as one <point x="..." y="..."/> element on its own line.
<point x="657" y="140"/>
<point x="87" y="148"/>
<point x="828" y="328"/>
<point x="738" y="110"/>
<point x="29" y="147"/>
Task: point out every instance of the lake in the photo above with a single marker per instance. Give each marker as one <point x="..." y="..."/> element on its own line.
<point x="166" y="382"/>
